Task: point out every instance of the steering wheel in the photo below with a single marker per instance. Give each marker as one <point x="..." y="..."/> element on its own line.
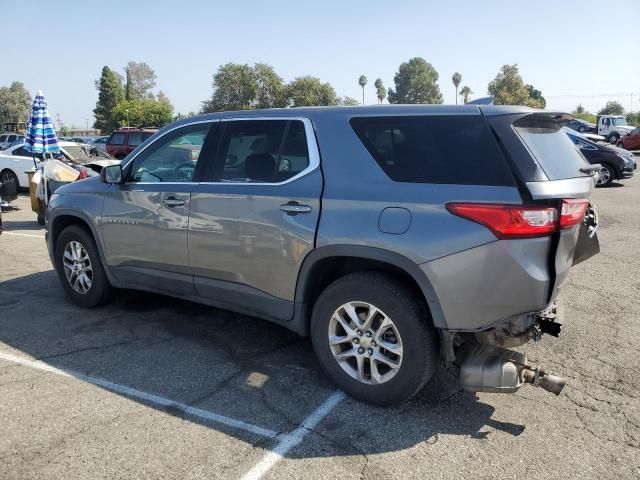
<point x="181" y="174"/>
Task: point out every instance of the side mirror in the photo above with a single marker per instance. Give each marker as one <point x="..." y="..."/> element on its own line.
<point x="112" y="174"/>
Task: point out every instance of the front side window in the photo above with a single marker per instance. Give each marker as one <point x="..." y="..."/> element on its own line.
<point x="117" y="139"/>
<point x="172" y="158"/>
<point x="262" y="151"/>
<point x="434" y="149"/>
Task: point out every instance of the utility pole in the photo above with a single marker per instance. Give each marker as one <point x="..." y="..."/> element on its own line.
<point x="87" y="120"/>
<point x="59" y="124"/>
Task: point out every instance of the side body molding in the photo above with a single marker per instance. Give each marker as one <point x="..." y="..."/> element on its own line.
<point x="300" y="320"/>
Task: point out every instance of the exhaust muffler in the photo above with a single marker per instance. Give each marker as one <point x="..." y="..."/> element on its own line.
<point x="487" y="368"/>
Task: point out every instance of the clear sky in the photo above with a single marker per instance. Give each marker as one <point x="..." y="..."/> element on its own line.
<point x="574" y="51"/>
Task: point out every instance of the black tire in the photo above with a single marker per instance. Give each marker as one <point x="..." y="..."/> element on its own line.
<point x="581" y="129"/>
<point x="100" y="289"/>
<point x="9" y="175"/>
<point x="613" y="138"/>
<point x="612" y="175"/>
<point x="409" y="314"/>
<point x="41" y="219"/>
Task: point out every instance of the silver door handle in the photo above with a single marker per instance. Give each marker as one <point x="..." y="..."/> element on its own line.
<point x="295" y="208"/>
<point x="172" y="202"/>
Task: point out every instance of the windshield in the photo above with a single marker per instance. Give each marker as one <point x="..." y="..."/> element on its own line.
<point x="619" y="122"/>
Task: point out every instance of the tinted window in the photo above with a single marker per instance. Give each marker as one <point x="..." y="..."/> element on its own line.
<point x="3" y="138"/>
<point x="22" y="152"/>
<point x="11" y="138"/>
<point x="135" y="139"/>
<point x="117" y="139"/>
<point x="434" y="149"/>
<point x="551" y="147"/>
<point x="249" y="150"/>
<point x="172" y="158"/>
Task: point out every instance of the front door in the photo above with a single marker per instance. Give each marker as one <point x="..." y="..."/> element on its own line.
<point x="254" y="222"/>
<point x="145" y="220"/>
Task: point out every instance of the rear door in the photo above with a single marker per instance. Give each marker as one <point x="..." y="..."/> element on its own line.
<point x="254" y="219"/>
<point x="552" y="170"/>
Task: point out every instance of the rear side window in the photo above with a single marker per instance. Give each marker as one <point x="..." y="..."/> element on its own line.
<point x="434" y="149"/>
<point x="117" y="139"/>
<point x="135" y="139"/>
<point x="551" y="147"/>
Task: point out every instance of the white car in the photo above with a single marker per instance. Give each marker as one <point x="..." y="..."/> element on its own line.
<point x="16" y="161"/>
<point x="8" y="139"/>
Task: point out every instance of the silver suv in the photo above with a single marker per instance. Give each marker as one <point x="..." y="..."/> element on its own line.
<point x="393" y="236"/>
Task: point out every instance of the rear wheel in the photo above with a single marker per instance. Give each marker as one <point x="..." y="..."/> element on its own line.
<point x="373" y="337"/>
<point x="581" y="129"/>
<point x="7" y="176"/>
<point x="606" y="175"/>
<point x="80" y="269"/>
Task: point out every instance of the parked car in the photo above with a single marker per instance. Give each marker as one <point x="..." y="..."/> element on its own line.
<point x="16" y="161"/>
<point x="613" y="127"/>
<point x="615" y="163"/>
<point x="631" y="141"/>
<point x="415" y="236"/>
<point x="124" y="140"/>
<point x="8" y="139"/>
<point x="581" y="126"/>
<point x="100" y="143"/>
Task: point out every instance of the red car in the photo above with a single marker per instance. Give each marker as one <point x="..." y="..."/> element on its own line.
<point x="124" y="140"/>
<point x="631" y="141"/>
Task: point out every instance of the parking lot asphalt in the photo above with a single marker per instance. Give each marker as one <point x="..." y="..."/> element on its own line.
<point x="154" y="387"/>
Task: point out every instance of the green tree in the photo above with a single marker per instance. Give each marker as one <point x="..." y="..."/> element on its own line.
<point x="612" y="108"/>
<point x="234" y="88"/>
<point x="579" y="108"/>
<point x="347" y="101"/>
<point x="15" y="104"/>
<point x="110" y="93"/>
<point x="310" y="91"/>
<point x="456" y="78"/>
<point x="508" y="88"/>
<point x="633" y="118"/>
<point x="65" y="131"/>
<point x="270" y="88"/>
<point x="381" y="93"/>
<point x="141" y="80"/>
<point x="536" y="96"/>
<point x="582" y="114"/>
<point x="416" y="82"/>
<point x="143" y="113"/>
<point x="362" y="81"/>
<point x="465" y="93"/>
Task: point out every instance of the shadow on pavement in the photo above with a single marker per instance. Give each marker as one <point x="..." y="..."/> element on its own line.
<point x="230" y="364"/>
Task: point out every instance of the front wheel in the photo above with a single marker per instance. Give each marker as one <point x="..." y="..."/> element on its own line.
<point x="613" y="138"/>
<point x="605" y="176"/>
<point x="374" y="338"/>
<point x="80" y="269"/>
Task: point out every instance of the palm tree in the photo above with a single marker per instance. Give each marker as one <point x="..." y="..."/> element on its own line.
<point x="466" y="92"/>
<point x="362" y="81"/>
<point x="456" y="79"/>
<point x="381" y="93"/>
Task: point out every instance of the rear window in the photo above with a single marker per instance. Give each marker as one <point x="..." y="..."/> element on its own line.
<point x="117" y="139"/>
<point x="434" y="149"/>
<point x="551" y="147"/>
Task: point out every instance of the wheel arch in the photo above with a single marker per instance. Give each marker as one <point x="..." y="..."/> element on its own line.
<point x="64" y="218"/>
<point x="15" y="175"/>
<point x="325" y="264"/>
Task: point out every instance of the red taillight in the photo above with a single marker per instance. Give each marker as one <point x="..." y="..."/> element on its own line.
<point x="509" y="221"/>
<point x="572" y="211"/>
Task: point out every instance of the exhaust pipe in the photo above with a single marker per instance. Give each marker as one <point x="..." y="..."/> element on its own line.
<point x="538" y="377"/>
<point x="486" y="368"/>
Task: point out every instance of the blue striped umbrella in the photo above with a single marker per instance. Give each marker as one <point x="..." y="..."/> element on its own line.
<point x="41" y="136"/>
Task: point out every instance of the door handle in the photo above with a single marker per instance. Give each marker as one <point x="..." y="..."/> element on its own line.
<point x="293" y="208"/>
<point x="172" y="202"/>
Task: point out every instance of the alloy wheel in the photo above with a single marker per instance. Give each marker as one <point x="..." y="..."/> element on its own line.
<point x="365" y="343"/>
<point x="604" y="175"/>
<point x="77" y="267"/>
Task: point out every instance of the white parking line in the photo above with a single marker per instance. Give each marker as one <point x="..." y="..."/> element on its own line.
<point x="292" y="439"/>
<point x="147" y="397"/>
<point x="22" y="234"/>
